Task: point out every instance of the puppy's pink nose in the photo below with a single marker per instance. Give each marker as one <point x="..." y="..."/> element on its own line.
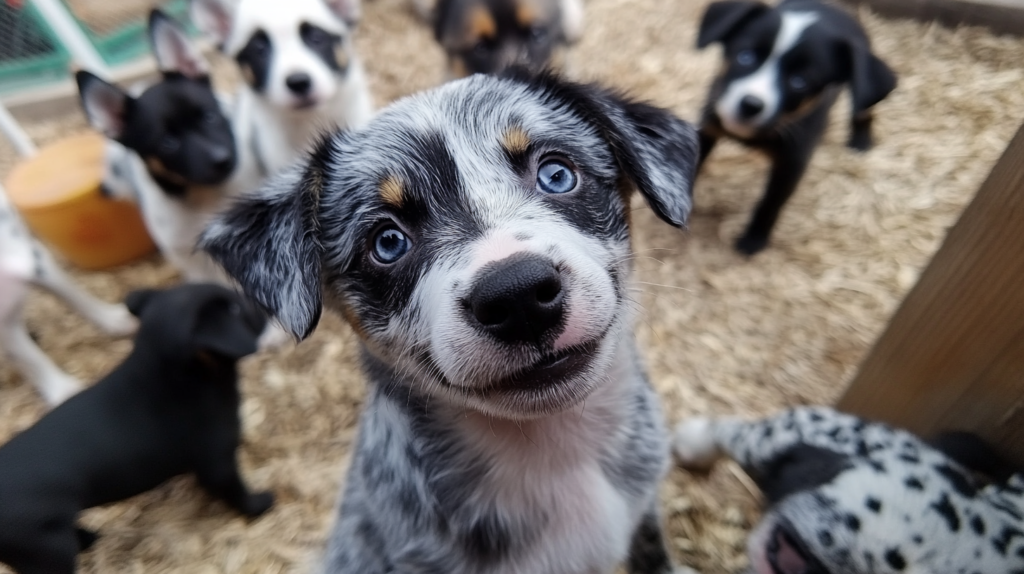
<point x="518" y="299"/>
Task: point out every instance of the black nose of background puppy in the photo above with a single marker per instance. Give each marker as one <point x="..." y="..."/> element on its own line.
<point x="519" y="300"/>
<point x="170" y="408"/>
<point x="299" y="84"/>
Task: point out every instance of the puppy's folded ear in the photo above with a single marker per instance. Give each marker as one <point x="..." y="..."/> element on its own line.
<point x="225" y="330"/>
<point x="349" y="11"/>
<point x="269" y="242"/>
<point x="106" y="106"/>
<point x="721" y="19"/>
<point x="871" y="80"/>
<point x="213" y="18"/>
<point x="656" y="151"/>
<point x="172" y="48"/>
<point x="137" y="300"/>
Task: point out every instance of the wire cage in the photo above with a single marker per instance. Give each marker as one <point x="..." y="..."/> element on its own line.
<point x="33" y="53"/>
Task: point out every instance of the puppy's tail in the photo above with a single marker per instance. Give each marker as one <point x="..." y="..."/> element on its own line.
<point x="975" y="454"/>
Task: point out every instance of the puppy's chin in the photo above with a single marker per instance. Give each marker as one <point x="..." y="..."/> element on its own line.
<point x="557" y="382"/>
<point x="739" y="128"/>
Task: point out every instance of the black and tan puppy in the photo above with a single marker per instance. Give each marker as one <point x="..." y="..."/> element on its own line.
<point x="490" y="36"/>
<point x="171" y="408"/>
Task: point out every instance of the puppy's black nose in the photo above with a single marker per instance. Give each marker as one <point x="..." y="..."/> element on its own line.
<point x="518" y="299"/>
<point x="750" y="106"/>
<point x="221" y="158"/>
<point x="299" y="83"/>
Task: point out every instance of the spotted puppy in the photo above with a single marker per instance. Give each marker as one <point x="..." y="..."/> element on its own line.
<point x="847" y="496"/>
<point x="300" y="70"/>
<point x="488" y="36"/>
<point x="476" y="238"/>
<point x="24" y="262"/>
<point x="784" y="67"/>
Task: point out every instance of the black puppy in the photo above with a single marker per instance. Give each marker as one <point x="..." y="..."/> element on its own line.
<point x="784" y="69"/>
<point x="171" y="408"/>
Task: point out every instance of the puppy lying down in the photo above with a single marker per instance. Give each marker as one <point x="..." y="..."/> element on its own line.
<point x="476" y="238"/>
<point x="848" y="496"/>
<point x="171" y="408"/>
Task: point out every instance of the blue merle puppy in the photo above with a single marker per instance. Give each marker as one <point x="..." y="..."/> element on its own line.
<point x="847" y="496"/>
<point x="476" y="238"/>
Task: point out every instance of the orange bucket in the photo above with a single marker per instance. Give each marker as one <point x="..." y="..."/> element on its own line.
<point x="58" y="194"/>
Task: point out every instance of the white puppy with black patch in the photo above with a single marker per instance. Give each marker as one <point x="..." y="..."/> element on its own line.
<point x="300" y="69"/>
<point x="476" y="238"/>
<point x="23" y="262"/>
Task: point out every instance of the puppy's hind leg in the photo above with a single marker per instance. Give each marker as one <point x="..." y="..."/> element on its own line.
<point x="647" y="551"/>
<point x="219" y="476"/>
<point x="112" y="319"/>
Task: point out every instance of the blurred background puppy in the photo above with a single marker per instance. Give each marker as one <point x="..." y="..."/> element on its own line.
<point x="488" y="36"/>
<point x="784" y="68"/>
<point x="170" y="408"/>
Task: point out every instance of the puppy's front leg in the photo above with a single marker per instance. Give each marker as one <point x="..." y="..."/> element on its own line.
<point x="647" y="551"/>
<point x="787" y="169"/>
<point x="860" y="130"/>
<point x="707" y="143"/>
<point x="220" y="477"/>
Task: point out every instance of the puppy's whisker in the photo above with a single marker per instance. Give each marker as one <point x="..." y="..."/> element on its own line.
<point x="666" y="286"/>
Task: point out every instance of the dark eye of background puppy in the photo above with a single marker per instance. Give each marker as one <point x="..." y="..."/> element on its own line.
<point x="488" y="36"/>
<point x="176" y="127"/>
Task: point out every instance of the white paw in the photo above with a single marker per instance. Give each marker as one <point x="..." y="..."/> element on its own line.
<point x="57" y="388"/>
<point x="117" y="321"/>
<point x="684" y="570"/>
<point x="273" y="337"/>
<point x="694" y="445"/>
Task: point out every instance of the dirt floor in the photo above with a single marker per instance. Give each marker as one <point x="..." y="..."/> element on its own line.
<point x="722" y="334"/>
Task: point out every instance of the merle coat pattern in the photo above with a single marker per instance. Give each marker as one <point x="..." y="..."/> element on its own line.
<point x="170" y="408"/>
<point x="25" y="262"/>
<point x="476" y="238"/>
<point x="784" y="67"/>
<point x="848" y="496"/>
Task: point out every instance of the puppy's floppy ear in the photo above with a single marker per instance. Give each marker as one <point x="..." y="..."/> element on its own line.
<point x="137" y="300"/>
<point x="349" y="11"/>
<point x="270" y="243"/>
<point x="173" y="50"/>
<point x="106" y="106"/>
<point x="654" y="149"/>
<point x="721" y="19"/>
<point x="871" y="80"/>
<point x="213" y="18"/>
<point x="225" y="330"/>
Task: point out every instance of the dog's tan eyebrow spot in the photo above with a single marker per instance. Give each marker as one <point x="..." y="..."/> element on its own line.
<point x="526" y="15"/>
<point x="515" y="140"/>
<point x="392" y="191"/>
<point x="481" y="24"/>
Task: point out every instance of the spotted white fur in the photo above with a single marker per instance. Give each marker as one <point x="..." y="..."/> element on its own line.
<point x="24" y="262"/>
<point x="889" y="504"/>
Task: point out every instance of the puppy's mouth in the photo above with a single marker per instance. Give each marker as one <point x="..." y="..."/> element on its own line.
<point x="787" y="554"/>
<point x="550" y="371"/>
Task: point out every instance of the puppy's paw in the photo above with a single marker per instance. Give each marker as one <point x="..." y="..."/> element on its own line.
<point x="860" y="141"/>
<point x="749" y="245"/>
<point x="59" y="387"/>
<point x="258" y="503"/>
<point x="694" y="445"/>
<point x="116" y="320"/>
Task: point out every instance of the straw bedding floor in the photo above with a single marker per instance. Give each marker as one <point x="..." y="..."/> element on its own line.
<point x="721" y="334"/>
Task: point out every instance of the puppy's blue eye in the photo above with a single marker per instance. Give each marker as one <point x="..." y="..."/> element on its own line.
<point x="746" y="58"/>
<point x="797" y="83"/>
<point x="210" y="117"/>
<point x="390" y="245"/>
<point x="555" y="177"/>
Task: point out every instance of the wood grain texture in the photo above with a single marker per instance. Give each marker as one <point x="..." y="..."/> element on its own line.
<point x="1000" y="16"/>
<point x="952" y="356"/>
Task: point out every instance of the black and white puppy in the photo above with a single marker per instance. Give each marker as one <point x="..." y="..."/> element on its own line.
<point x="179" y="158"/>
<point x="489" y="36"/>
<point x="476" y="238"/>
<point x="170" y="408"/>
<point x="25" y="262"/>
<point x="299" y="66"/>
<point x="784" y="68"/>
<point x="848" y="496"/>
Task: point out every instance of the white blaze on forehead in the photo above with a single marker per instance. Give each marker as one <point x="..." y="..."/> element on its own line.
<point x="763" y="83"/>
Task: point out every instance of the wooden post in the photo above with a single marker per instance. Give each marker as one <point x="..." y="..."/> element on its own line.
<point x="952" y="357"/>
<point x="1000" y="16"/>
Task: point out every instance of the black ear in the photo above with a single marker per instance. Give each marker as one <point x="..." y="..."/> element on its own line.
<point x="656" y="151"/>
<point x="137" y="300"/>
<point x="871" y="80"/>
<point x="224" y="328"/>
<point x="721" y="19"/>
<point x="269" y="242"/>
<point x="106" y="106"/>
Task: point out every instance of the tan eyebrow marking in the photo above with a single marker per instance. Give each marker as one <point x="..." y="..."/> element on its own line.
<point x="392" y="191"/>
<point x="526" y="15"/>
<point x="481" y="24"/>
<point x="515" y="140"/>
